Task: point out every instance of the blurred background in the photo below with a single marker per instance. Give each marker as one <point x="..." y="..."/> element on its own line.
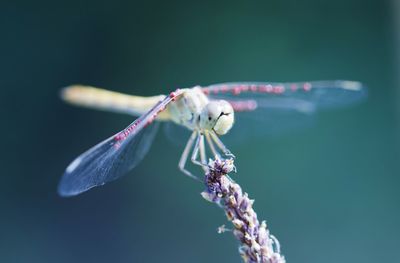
<point x="328" y="193"/>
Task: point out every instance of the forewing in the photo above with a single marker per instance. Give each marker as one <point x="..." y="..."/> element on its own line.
<point x="267" y="109"/>
<point x="322" y="94"/>
<point x="113" y="157"/>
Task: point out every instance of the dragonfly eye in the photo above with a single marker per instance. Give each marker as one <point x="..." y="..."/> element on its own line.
<point x="224" y="123"/>
<point x="217" y="116"/>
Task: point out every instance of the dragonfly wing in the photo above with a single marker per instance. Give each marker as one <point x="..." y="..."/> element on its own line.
<point x="175" y="133"/>
<point x="113" y="157"/>
<point x="276" y="108"/>
<point x="322" y="94"/>
<point x="274" y="117"/>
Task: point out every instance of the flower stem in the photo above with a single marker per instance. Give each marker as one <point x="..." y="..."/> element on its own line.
<point x="256" y="243"/>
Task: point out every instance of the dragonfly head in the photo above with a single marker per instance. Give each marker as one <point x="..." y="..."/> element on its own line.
<point x="217" y="115"/>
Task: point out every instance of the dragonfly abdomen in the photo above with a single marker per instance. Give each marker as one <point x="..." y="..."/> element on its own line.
<point x="96" y="98"/>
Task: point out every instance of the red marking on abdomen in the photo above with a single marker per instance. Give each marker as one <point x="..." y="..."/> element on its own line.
<point x="243" y="105"/>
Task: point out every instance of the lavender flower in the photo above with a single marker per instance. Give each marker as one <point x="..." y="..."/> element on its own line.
<point x="256" y="243"/>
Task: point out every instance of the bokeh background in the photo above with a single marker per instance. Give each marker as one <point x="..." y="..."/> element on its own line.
<point x="329" y="193"/>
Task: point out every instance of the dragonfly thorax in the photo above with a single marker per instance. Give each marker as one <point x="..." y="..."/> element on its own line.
<point x="194" y="110"/>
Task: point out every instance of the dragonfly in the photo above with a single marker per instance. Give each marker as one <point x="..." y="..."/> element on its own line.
<point x="209" y="112"/>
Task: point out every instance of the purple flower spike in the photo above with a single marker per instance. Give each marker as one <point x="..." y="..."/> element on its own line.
<point x="256" y="243"/>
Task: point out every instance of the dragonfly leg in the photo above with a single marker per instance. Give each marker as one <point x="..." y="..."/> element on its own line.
<point x="203" y="157"/>
<point x="221" y="145"/>
<point x="197" y="146"/>
<point x="185" y="155"/>
<point x="211" y="145"/>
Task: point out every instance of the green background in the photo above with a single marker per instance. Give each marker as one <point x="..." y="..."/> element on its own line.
<point x="329" y="193"/>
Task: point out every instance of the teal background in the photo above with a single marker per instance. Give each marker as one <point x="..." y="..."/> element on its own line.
<point x="329" y="193"/>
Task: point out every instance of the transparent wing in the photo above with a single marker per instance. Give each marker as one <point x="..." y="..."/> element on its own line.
<point x="276" y="117"/>
<point x="113" y="157"/>
<point x="321" y="94"/>
<point x="177" y="134"/>
<point x="275" y="108"/>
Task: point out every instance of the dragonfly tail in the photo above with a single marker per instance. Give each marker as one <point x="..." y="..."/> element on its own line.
<point x="101" y="99"/>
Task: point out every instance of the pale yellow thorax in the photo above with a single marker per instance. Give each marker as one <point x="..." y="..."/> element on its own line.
<point x="186" y="109"/>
